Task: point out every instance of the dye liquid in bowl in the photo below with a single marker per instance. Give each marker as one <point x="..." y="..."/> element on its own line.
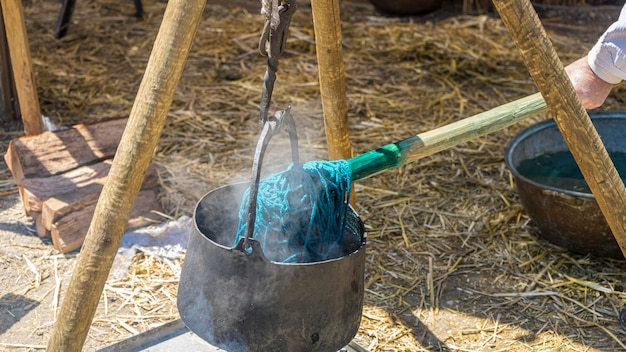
<point x="559" y="170"/>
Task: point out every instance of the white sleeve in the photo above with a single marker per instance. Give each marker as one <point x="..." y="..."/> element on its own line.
<point x="607" y="58"/>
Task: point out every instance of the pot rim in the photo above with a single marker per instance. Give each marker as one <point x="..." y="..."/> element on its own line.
<point x="196" y="228"/>
<point x="542" y="125"/>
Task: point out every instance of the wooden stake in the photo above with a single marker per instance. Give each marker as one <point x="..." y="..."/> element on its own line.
<point x="15" y="28"/>
<point x="583" y="140"/>
<point x="327" y="24"/>
<point x="131" y="161"/>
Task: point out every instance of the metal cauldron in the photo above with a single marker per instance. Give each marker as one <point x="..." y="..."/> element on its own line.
<point x="238" y="300"/>
<point x="570" y="219"/>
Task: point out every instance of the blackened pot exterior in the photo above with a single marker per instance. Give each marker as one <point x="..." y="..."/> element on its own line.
<point x="569" y="219"/>
<point x="240" y="301"/>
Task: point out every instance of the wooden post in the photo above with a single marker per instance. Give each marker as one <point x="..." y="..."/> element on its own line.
<point x="15" y="27"/>
<point x="332" y="77"/>
<point x="11" y="108"/>
<point x="583" y="140"/>
<point x="131" y="161"/>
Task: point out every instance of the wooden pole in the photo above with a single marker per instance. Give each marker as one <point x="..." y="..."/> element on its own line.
<point x="19" y="51"/>
<point x="131" y="161"/>
<point x="327" y="25"/>
<point x="11" y="107"/>
<point x="427" y="143"/>
<point x="583" y="140"/>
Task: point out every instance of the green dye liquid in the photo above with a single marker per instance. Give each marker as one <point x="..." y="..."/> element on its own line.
<point x="560" y="170"/>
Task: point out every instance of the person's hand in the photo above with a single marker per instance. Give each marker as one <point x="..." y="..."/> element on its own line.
<point x="591" y="89"/>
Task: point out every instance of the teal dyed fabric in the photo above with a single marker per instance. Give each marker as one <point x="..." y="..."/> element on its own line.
<point x="301" y="212"/>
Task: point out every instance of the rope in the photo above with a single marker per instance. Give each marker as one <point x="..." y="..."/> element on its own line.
<point x="301" y="212"/>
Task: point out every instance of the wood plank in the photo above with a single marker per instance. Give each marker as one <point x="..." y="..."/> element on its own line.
<point x="69" y="232"/>
<point x="12" y="160"/>
<point x="41" y="230"/>
<point x="19" y="51"/>
<point x="35" y="191"/>
<point x="60" y="205"/>
<point x="53" y="153"/>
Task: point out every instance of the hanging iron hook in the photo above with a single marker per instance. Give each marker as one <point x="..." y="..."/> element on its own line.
<point x="275" y="31"/>
<point x="274" y="124"/>
<point x="272" y="45"/>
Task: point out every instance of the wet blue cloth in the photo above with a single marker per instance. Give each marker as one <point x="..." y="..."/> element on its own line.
<point x="301" y="212"/>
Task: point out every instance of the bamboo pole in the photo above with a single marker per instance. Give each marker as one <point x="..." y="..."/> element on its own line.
<point x="327" y="25"/>
<point x="424" y="144"/>
<point x="131" y="161"/>
<point x="583" y="140"/>
<point x="19" y="51"/>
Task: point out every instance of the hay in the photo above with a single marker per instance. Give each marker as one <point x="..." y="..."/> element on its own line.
<point x="452" y="262"/>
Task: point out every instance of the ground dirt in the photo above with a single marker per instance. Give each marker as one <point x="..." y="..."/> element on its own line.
<point x="471" y="307"/>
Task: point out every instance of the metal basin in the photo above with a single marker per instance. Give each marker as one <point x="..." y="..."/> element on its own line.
<point x="406" y="7"/>
<point x="240" y="301"/>
<point x="564" y="211"/>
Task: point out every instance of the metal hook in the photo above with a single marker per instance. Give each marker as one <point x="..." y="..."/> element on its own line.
<point x="272" y="44"/>
<point x="270" y="128"/>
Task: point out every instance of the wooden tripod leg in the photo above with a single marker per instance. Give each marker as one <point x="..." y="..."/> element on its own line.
<point x="332" y="77"/>
<point x="328" y="42"/>
<point x="139" y="140"/>
<point x="583" y="140"/>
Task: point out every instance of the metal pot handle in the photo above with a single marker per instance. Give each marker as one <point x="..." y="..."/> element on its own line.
<point x="271" y="127"/>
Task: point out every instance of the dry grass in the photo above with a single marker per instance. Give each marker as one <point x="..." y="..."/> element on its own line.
<point x="452" y="262"/>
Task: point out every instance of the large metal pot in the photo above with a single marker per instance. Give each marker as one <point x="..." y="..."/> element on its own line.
<point x="563" y="215"/>
<point x="236" y="299"/>
<point x="239" y="301"/>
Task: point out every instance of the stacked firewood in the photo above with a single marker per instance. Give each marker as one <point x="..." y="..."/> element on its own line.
<point x="60" y="176"/>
